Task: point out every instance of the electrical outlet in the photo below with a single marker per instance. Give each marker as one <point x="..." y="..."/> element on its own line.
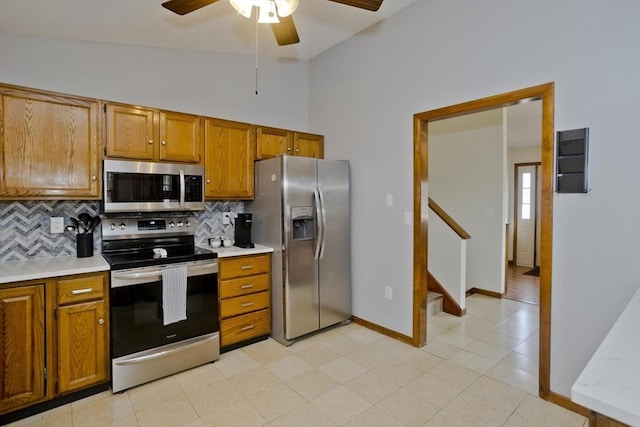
<point x="227" y="218"/>
<point x="388" y="292"/>
<point x="57" y="224"/>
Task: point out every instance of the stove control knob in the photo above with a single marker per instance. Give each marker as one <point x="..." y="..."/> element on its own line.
<point x="172" y="224"/>
<point x="112" y="226"/>
<point x="187" y="224"/>
<point x="122" y="226"/>
<point x="180" y="224"/>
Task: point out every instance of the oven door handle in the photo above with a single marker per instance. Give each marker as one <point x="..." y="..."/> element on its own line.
<point x="148" y="357"/>
<point x="157" y="274"/>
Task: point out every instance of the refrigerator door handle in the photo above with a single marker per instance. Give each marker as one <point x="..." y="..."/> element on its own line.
<point x="319" y="223"/>
<point x="324" y="222"/>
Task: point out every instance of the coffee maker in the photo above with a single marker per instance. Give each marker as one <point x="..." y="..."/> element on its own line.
<point x="242" y="234"/>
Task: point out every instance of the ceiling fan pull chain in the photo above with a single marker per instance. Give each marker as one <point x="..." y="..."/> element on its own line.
<point x="256" y="53"/>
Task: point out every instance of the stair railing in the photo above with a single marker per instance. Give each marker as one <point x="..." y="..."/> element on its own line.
<point x="447" y="260"/>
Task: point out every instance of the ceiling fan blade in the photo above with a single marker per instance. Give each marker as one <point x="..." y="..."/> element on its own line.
<point x="182" y="7"/>
<point x="285" y="31"/>
<point x="372" y="5"/>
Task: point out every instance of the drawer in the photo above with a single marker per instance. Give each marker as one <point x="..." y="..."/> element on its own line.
<point x="244" y="327"/>
<point x="244" y="285"/>
<point x="243" y="266"/>
<point x="243" y="304"/>
<point x="80" y="288"/>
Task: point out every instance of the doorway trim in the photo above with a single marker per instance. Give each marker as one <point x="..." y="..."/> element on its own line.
<point x="543" y="92"/>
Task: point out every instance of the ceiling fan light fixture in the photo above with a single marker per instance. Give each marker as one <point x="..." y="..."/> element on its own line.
<point x="268" y="10"/>
<point x="268" y="13"/>
<point x="243" y="7"/>
<point x="286" y="7"/>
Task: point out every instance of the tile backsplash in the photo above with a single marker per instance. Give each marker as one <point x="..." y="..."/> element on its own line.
<point x="25" y="226"/>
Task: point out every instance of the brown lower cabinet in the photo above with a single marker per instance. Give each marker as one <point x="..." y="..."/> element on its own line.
<point x="22" y="345"/>
<point x="54" y="338"/>
<point x="245" y="298"/>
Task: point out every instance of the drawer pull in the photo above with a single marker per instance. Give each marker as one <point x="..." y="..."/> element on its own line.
<point x="247" y="328"/>
<point x="246" y="304"/>
<point x="81" y="291"/>
<point x="101" y="321"/>
<point x="247" y="286"/>
<point x="246" y="267"/>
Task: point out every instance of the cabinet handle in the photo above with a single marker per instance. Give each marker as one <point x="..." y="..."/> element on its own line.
<point x="247" y="328"/>
<point x="247" y="286"/>
<point x="164" y="142"/>
<point x="246" y="267"/>
<point x="246" y="304"/>
<point x="297" y="150"/>
<point x="208" y="181"/>
<point x="81" y="291"/>
<point x="288" y="148"/>
<point x="93" y="177"/>
<point x="150" y="142"/>
<point x="101" y="321"/>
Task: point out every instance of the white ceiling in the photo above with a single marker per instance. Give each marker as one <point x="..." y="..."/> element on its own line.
<point x="321" y="24"/>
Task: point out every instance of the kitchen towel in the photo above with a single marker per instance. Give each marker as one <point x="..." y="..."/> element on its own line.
<point x="174" y="294"/>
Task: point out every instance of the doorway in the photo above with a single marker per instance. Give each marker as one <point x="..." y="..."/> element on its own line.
<point x="420" y="236"/>
<point x="523" y="270"/>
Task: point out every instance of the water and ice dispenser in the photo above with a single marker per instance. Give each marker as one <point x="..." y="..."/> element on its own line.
<point x="303" y="226"/>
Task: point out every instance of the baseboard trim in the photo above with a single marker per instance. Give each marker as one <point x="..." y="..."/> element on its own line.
<point x="382" y="330"/>
<point x="484" y="292"/>
<point x="449" y="305"/>
<point x="566" y="402"/>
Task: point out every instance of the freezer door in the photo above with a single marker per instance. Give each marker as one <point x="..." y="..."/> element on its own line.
<point x="335" y="255"/>
<point x="301" y="307"/>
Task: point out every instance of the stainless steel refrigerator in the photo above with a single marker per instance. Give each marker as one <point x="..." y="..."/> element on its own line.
<point x="301" y="209"/>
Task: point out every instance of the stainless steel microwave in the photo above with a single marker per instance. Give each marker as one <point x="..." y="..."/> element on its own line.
<point x="133" y="186"/>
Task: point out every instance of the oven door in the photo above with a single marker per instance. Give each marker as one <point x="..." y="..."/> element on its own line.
<point x="136" y="307"/>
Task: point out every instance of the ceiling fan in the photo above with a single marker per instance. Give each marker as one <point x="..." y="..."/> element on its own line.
<point x="277" y="13"/>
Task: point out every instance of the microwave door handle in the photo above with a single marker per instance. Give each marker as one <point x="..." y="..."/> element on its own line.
<point x="182" y="188"/>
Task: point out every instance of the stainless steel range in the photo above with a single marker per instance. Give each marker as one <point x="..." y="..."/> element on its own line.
<point x="163" y="298"/>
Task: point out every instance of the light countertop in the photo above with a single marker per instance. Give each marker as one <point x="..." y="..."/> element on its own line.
<point x="610" y="383"/>
<point x="236" y="251"/>
<point x="40" y="268"/>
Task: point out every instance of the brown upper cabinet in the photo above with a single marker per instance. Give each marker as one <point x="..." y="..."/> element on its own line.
<point x="308" y="145"/>
<point x="229" y="154"/>
<point x="142" y="133"/>
<point x="49" y="145"/>
<point x="273" y="142"/>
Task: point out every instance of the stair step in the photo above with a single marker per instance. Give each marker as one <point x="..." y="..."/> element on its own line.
<point x="434" y="303"/>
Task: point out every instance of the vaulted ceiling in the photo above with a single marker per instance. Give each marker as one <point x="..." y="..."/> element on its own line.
<point x="217" y="27"/>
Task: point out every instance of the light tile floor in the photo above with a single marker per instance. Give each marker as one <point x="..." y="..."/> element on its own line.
<point x="478" y="370"/>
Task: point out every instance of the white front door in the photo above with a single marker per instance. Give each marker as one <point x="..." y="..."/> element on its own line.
<point x="527" y="212"/>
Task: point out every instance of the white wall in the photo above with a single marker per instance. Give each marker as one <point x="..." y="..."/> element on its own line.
<point x="448" y="258"/>
<point x="218" y="85"/>
<point x="365" y="91"/>
<point x="467" y="158"/>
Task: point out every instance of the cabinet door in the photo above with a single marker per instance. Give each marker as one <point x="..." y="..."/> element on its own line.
<point x="131" y="132"/>
<point x="48" y="146"/>
<point x="272" y="142"/>
<point x="82" y="345"/>
<point x="308" y="145"/>
<point x="230" y="152"/>
<point x="22" y="346"/>
<point x="180" y="137"/>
